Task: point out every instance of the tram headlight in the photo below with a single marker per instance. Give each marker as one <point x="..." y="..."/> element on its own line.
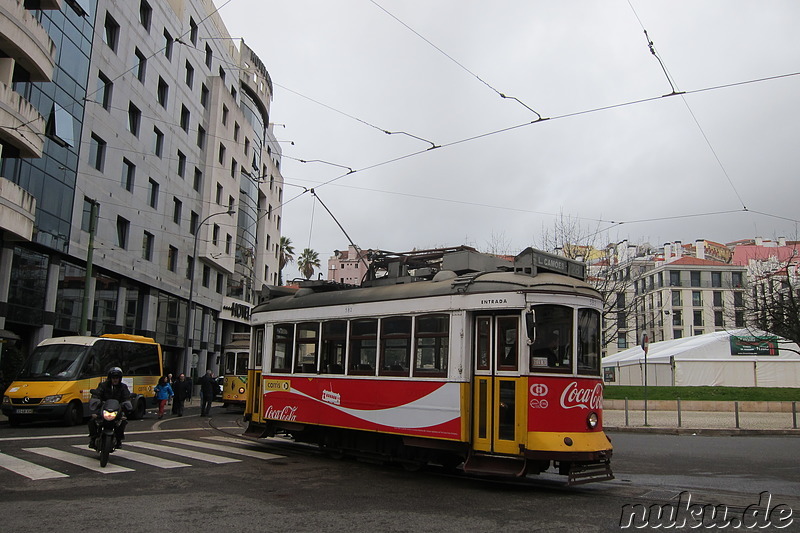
<point x="592" y="420"/>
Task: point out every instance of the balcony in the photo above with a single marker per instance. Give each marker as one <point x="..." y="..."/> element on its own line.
<point x="21" y="125"/>
<point x="17" y="208"/>
<point x="23" y="39"/>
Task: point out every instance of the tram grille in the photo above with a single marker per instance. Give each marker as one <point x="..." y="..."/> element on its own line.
<point x="589" y="473"/>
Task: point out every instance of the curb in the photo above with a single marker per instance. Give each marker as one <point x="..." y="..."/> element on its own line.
<point x="721" y="432"/>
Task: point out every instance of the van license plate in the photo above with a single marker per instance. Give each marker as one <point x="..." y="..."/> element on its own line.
<point x="24" y="411"/>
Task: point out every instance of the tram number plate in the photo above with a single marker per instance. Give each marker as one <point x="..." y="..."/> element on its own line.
<point x="24" y="411"/>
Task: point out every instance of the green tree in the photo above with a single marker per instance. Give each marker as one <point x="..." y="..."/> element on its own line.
<point x="285" y="256"/>
<point x="307" y="262"/>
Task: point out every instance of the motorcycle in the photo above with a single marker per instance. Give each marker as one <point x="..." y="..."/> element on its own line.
<point x="108" y="422"/>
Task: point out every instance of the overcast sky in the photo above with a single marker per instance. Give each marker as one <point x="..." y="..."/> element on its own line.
<point x="345" y="71"/>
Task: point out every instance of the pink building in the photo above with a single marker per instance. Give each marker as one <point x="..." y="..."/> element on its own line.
<point x="348" y="266"/>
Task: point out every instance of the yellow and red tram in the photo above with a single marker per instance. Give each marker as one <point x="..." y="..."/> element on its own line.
<point x="450" y="356"/>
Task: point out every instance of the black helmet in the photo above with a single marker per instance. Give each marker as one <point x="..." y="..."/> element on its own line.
<point x="115" y="372"/>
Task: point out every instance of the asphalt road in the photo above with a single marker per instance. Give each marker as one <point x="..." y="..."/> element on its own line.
<point x="286" y="487"/>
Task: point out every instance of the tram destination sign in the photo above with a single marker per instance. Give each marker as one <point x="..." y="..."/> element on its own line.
<point x="558" y="264"/>
<point x="752" y="345"/>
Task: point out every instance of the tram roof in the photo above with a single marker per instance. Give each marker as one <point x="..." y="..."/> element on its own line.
<point x="445" y="283"/>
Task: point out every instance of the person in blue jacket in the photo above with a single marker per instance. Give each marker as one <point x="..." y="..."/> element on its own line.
<point x="163" y="393"/>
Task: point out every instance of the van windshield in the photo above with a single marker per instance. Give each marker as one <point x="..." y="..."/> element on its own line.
<point x="53" y="362"/>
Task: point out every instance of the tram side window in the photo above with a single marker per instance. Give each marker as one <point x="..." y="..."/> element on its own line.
<point x="363" y="346"/>
<point x="395" y="346"/>
<point x="588" y="342"/>
<point x="307" y="337"/>
<point x="483" y="342"/>
<point x="282" y="347"/>
<point x="507" y="336"/>
<point x="259" y="346"/>
<point x="552" y="347"/>
<point x="432" y="346"/>
<point x="230" y="363"/>
<point x="334" y="339"/>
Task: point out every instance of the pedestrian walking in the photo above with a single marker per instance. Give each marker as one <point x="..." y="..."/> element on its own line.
<point x="163" y="393"/>
<point x="182" y="388"/>
<point x="207" y="386"/>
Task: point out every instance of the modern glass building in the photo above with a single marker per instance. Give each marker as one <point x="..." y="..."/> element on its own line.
<point x="136" y="145"/>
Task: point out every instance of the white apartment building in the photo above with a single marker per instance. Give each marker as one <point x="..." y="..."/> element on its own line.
<point x="158" y="124"/>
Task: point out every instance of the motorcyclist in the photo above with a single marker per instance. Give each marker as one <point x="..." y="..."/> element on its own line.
<point x="112" y="388"/>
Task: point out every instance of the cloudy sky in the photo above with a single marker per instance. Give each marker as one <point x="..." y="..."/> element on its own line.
<point x="464" y="165"/>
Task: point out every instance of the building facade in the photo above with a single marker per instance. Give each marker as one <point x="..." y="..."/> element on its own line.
<point x="159" y="173"/>
<point x="348" y="266"/>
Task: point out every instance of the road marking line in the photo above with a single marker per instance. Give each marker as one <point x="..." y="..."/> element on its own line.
<point x="90" y="463"/>
<point x="228" y="449"/>
<point x="184" y="453"/>
<point x="146" y="459"/>
<point x="28" y="469"/>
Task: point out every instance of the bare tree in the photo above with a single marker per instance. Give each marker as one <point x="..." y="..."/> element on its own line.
<point x="773" y="303"/>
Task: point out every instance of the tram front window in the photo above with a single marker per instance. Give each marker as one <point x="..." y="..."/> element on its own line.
<point x="552" y="346"/>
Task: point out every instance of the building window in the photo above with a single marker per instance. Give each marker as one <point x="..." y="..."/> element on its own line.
<point x="228" y="243"/>
<point x="219" y="194"/>
<point x="738" y="299"/>
<point x="189" y="74"/>
<point x="676" y="298"/>
<point x="153" y="197"/>
<point x="622" y="341"/>
<point x="225" y="115"/>
<point x="177" y="207"/>
<point x="162" y="93"/>
<point x="201" y="137"/>
<point x="134" y="119"/>
<point x="141" y="65"/>
<point x="181" y="164"/>
<point x="236" y="129"/>
<point x="206" y="276"/>
<point x="716" y="279"/>
<point x="172" y="259"/>
<point x="695" y="278"/>
<point x="215" y="235"/>
<point x="185" y="117"/>
<point x="677" y="333"/>
<point x="204" y="96"/>
<point x="97" y="152"/>
<point x="677" y="318"/>
<point x="105" y="89"/>
<point x="234" y="168"/>
<point x="222" y="74"/>
<point x="158" y="142"/>
<point x="193" y="220"/>
<point x="189" y="266"/>
<point x="220" y="282"/>
<point x="198" y="179"/>
<point x="193" y="31"/>
<point x="147" y="246"/>
<point x="675" y="278"/>
<point x="622" y="320"/>
<point x="128" y="175"/>
<point x="111" y="32"/>
<point x="697" y="299"/>
<point x="231" y="204"/>
<point x="221" y="154"/>
<point x="168" y="41"/>
<point x="739" y="319"/>
<point x="145" y="14"/>
<point x="209" y="56"/>
<point x="718" y="319"/>
<point x="698" y="318"/>
<point x="123" y="226"/>
<point x="736" y="279"/>
<point x="717" y="299"/>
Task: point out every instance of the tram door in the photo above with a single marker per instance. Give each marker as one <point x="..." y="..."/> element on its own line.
<point x="498" y="390"/>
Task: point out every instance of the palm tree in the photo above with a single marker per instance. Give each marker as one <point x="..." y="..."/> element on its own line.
<point x="307" y="262"/>
<point x="285" y="256"/>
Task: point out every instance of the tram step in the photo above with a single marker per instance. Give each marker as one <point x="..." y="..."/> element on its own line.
<point x="495" y="465"/>
<point x="582" y="473"/>
<point x="255" y="431"/>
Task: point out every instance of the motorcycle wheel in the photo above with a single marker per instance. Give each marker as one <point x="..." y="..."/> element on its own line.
<point x="106" y="443"/>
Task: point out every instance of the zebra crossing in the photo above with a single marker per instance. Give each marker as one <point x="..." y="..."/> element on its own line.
<point x="165" y="454"/>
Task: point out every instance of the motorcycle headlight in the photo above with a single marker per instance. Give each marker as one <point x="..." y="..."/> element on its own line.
<point x="6" y="399"/>
<point x="109" y="415"/>
<point x="592" y="420"/>
<point x="54" y="398"/>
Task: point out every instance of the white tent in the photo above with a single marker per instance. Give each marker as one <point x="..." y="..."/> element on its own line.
<point x="724" y="358"/>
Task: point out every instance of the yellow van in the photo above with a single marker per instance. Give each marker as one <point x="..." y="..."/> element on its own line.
<point x="55" y="381"/>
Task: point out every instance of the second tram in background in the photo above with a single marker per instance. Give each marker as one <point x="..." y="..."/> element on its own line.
<point x="445" y="356"/>
<point x="234" y="370"/>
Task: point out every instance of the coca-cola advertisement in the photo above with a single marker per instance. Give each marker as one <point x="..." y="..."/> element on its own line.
<point x="562" y="404"/>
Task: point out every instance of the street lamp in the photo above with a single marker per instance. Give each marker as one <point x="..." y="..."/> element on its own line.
<point x="187" y="342"/>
